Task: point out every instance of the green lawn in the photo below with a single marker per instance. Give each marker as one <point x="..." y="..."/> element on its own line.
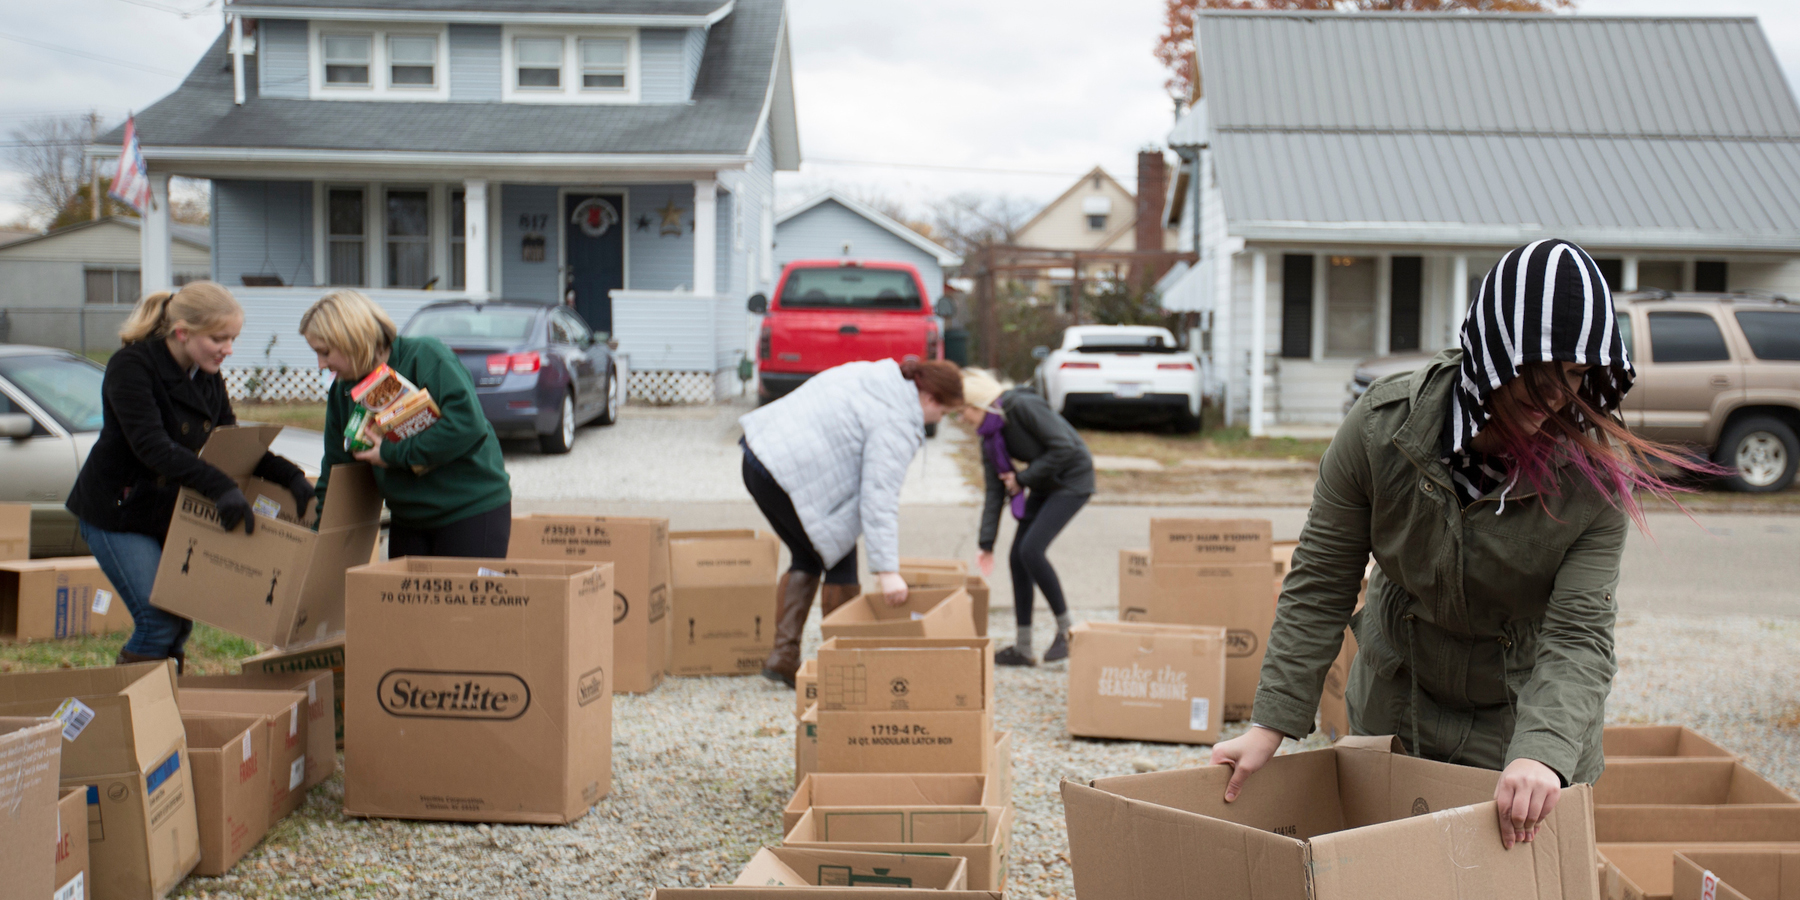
<point x="210" y="652"/>
<point x="297" y="415"/>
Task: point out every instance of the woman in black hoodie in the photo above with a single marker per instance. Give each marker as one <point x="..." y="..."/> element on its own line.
<point x="162" y="398"/>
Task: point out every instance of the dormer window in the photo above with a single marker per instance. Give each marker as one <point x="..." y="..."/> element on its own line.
<point x="347" y="59"/>
<point x="603" y="63"/>
<point x="539" y="63"/>
<point x="412" y="61"/>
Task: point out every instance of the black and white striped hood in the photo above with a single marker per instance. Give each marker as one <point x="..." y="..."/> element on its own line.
<point x="1543" y="302"/>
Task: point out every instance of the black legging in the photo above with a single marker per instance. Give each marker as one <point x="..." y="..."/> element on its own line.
<point x="778" y="508"/>
<point x="1046" y="512"/>
<point x="480" y="536"/>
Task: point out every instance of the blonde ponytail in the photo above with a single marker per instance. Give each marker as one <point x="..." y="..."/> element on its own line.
<point x="203" y="306"/>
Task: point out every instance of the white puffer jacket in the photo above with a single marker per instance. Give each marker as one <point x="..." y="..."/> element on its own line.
<point x="839" y="445"/>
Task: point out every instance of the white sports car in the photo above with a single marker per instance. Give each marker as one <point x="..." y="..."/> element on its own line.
<point x="1115" y="372"/>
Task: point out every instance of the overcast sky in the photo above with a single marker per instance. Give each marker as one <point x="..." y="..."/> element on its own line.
<point x="907" y="101"/>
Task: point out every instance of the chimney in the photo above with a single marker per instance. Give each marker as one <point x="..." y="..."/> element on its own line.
<point x="1152" y="187"/>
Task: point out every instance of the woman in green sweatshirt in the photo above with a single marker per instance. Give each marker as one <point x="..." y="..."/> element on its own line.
<point x="446" y="486"/>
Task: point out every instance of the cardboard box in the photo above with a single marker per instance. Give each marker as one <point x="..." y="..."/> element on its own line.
<point x="905" y="741"/>
<point x="285" y="724"/>
<point x="941" y="612"/>
<point x="796" y="867"/>
<point x="1134" y="585"/>
<point x="984" y="841"/>
<point x="923" y="572"/>
<point x="1683" y="793"/>
<point x="723" y="585"/>
<point x="284" y="584"/>
<point x="1238" y="596"/>
<point x="15" y="531"/>
<point x="1640" y="741"/>
<point x="639" y="552"/>
<point x="1146" y="682"/>
<point x="477" y="697"/>
<point x="230" y="755"/>
<point x="806" y="744"/>
<point x="1000" y="768"/>
<point x="1210" y="541"/>
<point x="876" y="674"/>
<point x="30" y="836"/>
<point x="72" y="845"/>
<point x="837" y="794"/>
<point x="321" y="715"/>
<point x="1357" y="820"/>
<point x="1737" y="875"/>
<point x="1646" y="871"/>
<point x="319" y="656"/>
<point x="1282" y="552"/>
<point x="48" y="599"/>
<point x="806" y="686"/>
<point x="1334" y="707"/>
<point x="142" y="832"/>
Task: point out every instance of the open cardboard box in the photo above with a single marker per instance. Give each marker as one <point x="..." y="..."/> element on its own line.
<point x="723" y="589"/>
<point x="982" y="840"/>
<point x="322" y="726"/>
<point x="231" y="796"/>
<point x="285" y="583"/>
<point x="1737" y="875"/>
<point x="30" y="840"/>
<point x="284" y="722"/>
<point x="798" y="867"/>
<point x="837" y="794"/>
<point x="906" y="705"/>
<point x="1645" y="871"/>
<point x="1636" y="795"/>
<point x="1621" y="742"/>
<point x="1357" y="820"/>
<point x="50" y="599"/>
<point x="924" y="572"/>
<point x="1146" y="682"/>
<point x="313" y="657"/>
<point x="940" y="612"/>
<point x="638" y="548"/>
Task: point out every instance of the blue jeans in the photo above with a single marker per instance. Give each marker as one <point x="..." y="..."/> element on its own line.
<point x="129" y="561"/>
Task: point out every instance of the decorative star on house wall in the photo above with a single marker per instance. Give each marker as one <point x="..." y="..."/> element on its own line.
<point x="643" y="222"/>
<point x="672" y="226"/>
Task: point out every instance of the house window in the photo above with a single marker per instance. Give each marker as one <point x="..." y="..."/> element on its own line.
<point x="347" y="59"/>
<point x="458" y="241"/>
<point x="344" y="236"/>
<point x="1612" y="269"/>
<point x="1709" y="276"/>
<point x="1096" y="223"/>
<point x="408" y="239"/>
<point x="1405" y="301"/>
<point x="108" y="286"/>
<point x="539" y="63"/>
<point x="1296" y="305"/>
<point x="1660" y="273"/>
<point x="603" y="64"/>
<point x="412" y="61"/>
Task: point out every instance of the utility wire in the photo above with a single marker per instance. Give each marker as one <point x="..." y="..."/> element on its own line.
<point x="162" y="7"/>
<point x="878" y="164"/>
<point x="83" y="53"/>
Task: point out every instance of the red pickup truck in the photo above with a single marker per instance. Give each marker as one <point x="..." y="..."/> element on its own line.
<point x="829" y="312"/>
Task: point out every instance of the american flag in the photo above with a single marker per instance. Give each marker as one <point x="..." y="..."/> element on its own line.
<point x="132" y="183"/>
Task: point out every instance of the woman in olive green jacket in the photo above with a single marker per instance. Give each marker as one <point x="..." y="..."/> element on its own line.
<point x="1492" y="487"/>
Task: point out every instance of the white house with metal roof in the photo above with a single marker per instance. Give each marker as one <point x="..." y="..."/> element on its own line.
<point x="829" y="225"/>
<point x="1349" y="178"/>
<point x="614" y="155"/>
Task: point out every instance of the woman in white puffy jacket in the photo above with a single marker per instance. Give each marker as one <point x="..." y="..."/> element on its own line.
<point x="825" y="464"/>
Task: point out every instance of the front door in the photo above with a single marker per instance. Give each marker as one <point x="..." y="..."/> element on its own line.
<point x="594" y="225"/>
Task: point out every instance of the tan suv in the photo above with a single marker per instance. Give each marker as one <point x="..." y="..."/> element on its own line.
<point x="1719" y="372"/>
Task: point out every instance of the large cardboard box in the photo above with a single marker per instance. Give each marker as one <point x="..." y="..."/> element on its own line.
<point x="1650" y="741"/>
<point x="30" y="839"/>
<point x="1353" y="821"/>
<point x="1134" y="585"/>
<point x="1633" y="795"/>
<point x="1645" y="871"/>
<point x="806" y="686"/>
<point x="321" y="713"/>
<point x="326" y="655"/>
<point x="231" y="797"/>
<point x="723" y="585"/>
<point x="285" y="724"/>
<point x="15" y="531"/>
<point x="72" y="845"/>
<point x="923" y="572"/>
<point x="1210" y="541"/>
<point x="839" y="794"/>
<point x="47" y="599"/>
<point x="1146" y="682"/>
<point x="478" y="697"/>
<point x="939" y="612"/>
<point x="797" y="867"/>
<point x="1737" y="875"/>
<point x="982" y="840"/>
<point x="1238" y="596"/>
<point x="906" y="705"/>
<point x="142" y="832"/>
<point x="284" y="584"/>
<point x="806" y="744"/>
<point x="639" y="552"/>
<point x="905" y="741"/>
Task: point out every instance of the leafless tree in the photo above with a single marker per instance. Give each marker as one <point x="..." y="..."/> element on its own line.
<point x="968" y="221"/>
<point x="48" y="152"/>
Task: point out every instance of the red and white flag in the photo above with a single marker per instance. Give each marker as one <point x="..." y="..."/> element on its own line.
<point x="132" y="182"/>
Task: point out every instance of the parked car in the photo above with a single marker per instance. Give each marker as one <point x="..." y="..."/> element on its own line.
<point x="1716" y="372"/>
<point x="829" y="312"/>
<point x="1374" y="368"/>
<point x="1121" y="373"/>
<point x="50" y="417"/>
<point x="539" y="370"/>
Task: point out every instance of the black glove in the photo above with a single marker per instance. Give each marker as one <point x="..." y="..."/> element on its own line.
<point x="303" y="495"/>
<point x="233" y="508"/>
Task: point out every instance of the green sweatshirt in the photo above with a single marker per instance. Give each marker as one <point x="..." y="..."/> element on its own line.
<point x="444" y="474"/>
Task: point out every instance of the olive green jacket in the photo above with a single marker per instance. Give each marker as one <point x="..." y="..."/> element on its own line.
<point x="1488" y="631"/>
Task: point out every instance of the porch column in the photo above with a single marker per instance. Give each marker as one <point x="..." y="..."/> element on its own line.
<point x="1459" y="294"/>
<point x="1224" y="301"/>
<point x="475" y="238"/>
<point x="237" y="59"/>
<point x="1628" y="274"/>
<point x="1259" y="338"/>
<point x="1384" y="303"/>
<point x="156" y="268"/>
<point x="706" y="236"/>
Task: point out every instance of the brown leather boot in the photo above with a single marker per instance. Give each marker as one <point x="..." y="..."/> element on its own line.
<point x="794" y="598"/>
<point x="833" y="596"/>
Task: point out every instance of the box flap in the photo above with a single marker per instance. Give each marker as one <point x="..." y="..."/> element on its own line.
<point x="805" y="866"/>
<point x="236" y="449"/>
<point x="1697" y="824"/>
<point x="135" y="718"/>
<point x="210" y="731"/>
<point x="1295" y="795"/>
<point x="1685" y="781"/>
<point x="352" y="498"/>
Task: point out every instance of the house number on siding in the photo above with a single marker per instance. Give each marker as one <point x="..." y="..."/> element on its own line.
<point x="533" y="222"/>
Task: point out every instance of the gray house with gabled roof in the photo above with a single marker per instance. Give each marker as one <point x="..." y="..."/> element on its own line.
<point x="1348" y="178"/>
<point x="614" y="155"/>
